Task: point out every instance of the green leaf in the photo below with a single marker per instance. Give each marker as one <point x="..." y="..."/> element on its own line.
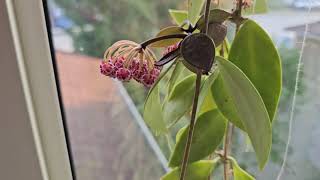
<point x="180" y="132"/>
<point x="208" y="133"/>
<point x="224" y="101"/>
<point x="216" y="16"/>
<point x="168" y="31"/>
<point x="180" y="100"/>
<point x="238" y="173"/>
<point x="249" y="107"/>
<point x="206" y="101"/>
<point x="255" y="54"/>
<point x="178" y="16"/>
<point x="179" y="72"/>
<point x="194" y="9"/>
<point x="258" y="7"/>
<point x="152" y="108"/>
<point x="207" y="104"/>
<point x="175" y="76"/>
<point x="196" y="171"/>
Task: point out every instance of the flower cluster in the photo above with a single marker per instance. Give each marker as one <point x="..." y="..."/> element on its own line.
<point x="126" y="60"/>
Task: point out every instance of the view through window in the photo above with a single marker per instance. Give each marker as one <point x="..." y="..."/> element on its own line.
<point x="106" y="138"/>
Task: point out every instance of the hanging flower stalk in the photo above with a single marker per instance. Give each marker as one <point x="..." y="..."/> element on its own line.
<point x="126" y="60"/>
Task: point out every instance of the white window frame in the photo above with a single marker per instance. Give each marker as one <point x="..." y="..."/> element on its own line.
<point x="33" y="137"/>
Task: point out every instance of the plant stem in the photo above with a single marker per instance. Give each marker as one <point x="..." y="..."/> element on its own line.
<point x="225" y="154"/>
<point x="191" y="127"/>
<point x="156" y="39"/>
<point x="194" y="106"/>
<point x="206" y="16"/>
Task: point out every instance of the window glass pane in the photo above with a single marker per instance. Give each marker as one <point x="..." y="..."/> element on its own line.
<point x="106" y="139"/>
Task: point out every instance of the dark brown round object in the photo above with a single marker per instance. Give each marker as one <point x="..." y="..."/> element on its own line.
<point x="199" y="51"/>
<point x="217" y="32"/>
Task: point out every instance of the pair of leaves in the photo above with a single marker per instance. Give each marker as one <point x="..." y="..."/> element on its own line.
<point x="249" y="95"/>
<point x="208" y="133"/>
<point x="196" y="171"/>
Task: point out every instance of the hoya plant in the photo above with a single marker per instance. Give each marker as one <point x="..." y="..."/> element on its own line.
<point x="217" y="83"/>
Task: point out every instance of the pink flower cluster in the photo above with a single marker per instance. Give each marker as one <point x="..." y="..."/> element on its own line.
<point x="116" y="68"/>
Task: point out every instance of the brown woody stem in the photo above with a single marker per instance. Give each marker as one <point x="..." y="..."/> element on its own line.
<point x="191" y="126"/>
<point x="195" y="106"/>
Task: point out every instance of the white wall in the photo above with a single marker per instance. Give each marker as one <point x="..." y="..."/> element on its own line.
<point x="18" y="156"/>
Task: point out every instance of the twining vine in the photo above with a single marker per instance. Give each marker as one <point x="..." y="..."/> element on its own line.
<point x="216" y="84"/>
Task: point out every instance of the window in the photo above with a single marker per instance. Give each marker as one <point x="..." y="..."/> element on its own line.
<point x="96" y="129"/>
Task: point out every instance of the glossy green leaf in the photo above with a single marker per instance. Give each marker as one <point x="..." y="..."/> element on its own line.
<point x="208" y="134"/>
<point x="206" y="101"/>
<point x="194" y="9"/>
<point x="179" y="73"/>
<point x="168" y="31"/>
<point x="216" y="16"/>
<point x="249" y="107"/>
<point x="180" y="100"/>
<point x="196" y="171"/>
<point x="207" y="104"/>
<point x="178" y="16"/>
<point x="152" y="108"/>
<point x="175" y="76"/>
<point x="224" y="101"/>
<point x="180" y="132"/>
<point x="258" y="7"/>
<point x="255" y="54"/>
<point x="239" y="173"/>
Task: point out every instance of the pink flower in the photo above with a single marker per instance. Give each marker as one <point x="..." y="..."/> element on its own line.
<point x="123" y="74"/>
<point x="107" y="69"/>
<point x="148" y="80"/>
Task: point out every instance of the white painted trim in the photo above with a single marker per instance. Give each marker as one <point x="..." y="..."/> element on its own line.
<point x="28" y="26"/>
